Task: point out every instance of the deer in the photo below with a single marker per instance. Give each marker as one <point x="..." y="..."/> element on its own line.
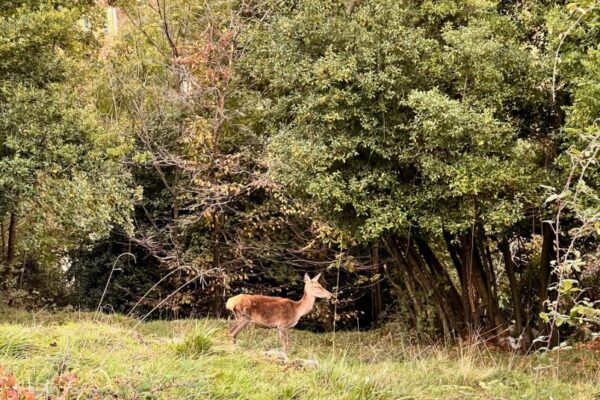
<point x="275" y="312"/>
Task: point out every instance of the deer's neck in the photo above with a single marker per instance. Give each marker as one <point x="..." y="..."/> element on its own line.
<point x="305" y="304"/>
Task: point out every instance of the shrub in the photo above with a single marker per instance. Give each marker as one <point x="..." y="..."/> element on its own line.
<point x="10" y="389"/>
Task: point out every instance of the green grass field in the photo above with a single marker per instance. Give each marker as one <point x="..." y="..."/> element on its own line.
<point x="112" y="357"/>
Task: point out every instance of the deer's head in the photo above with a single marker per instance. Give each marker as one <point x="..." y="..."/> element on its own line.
<point x="314" y="288"/>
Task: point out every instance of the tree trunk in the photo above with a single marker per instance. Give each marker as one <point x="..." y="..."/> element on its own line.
<point x="442" y="279"/>
<point x="427" y="281"/>
<point x="376" y="302"/>
<point x="409" y="282"/>
<point x="2" y="234"/>
<point x="485" y="289"/>
<point x="216" y="240"/>
<point x="514" y="285"/>
<point x="546" y="278"/>
<point x="12" y="240"/>
<point x="454" y="255"/>
<point x="175" y="191"/>
<point x="478" y="285"/>
<point x="470" y="290"/>
<point x="546" y="256"/>
<point x="488" y="263"/>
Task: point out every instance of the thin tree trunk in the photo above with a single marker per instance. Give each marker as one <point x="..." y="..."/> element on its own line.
<point x="490" y="301"/>
<point x="453" y="251"/>
<point x="175" y="205"/>
<point x="215" y="239"/>
<point x="2" y="234"/>
<point x="12" y="240"/>
<point x="522" y="328"/>
<point x="470" y="288"/>
<point x="454" y="255"/>
<point x="488" y="263"/>
<point x="442" y="279"/>
<point x="409" y="282"/>
<point x="376" y="302"/>
<point x="547" y="255"/>
<point x="489" y="275"/>
<point x="427" y="281"/>
<point x="546" y="278"/>
<point x="514" y="285"/>
<point x="415" y="276"/>
<point x="478" y="288"/>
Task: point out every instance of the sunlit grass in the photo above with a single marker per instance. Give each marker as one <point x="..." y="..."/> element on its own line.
<point x="115" y="357"/>
<point x="198" y="342"/>
<point x="15" y="341"/>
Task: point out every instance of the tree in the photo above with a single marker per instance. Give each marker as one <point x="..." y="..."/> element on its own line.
<point x="415" y="125"/>
<point x="61" y="182"/>
<point x="576" y="204"/>
<point x="210" y="221"/>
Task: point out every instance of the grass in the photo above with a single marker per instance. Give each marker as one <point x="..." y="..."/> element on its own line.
<point x="198" y="342"/>
<point x="15" y="341"/>
<point x="115" y="357"/>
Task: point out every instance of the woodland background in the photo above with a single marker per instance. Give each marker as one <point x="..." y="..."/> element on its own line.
<point x="437" y="161"/>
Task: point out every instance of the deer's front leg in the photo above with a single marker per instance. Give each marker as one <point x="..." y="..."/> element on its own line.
<point x="239" y="325"/>
<point x="283" y="337"/>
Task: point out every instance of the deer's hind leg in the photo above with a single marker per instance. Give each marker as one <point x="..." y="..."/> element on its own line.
<point x="283" y="337"/>
<point x="241" y="322"/>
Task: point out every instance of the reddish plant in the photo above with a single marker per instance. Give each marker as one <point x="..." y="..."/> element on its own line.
<point x="10" y="390"/>
<point x="64" y="383"/>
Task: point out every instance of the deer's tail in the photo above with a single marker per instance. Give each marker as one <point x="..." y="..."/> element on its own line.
<point x="233" y="301"/>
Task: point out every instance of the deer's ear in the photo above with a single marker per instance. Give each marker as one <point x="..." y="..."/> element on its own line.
<point x="306" y="278"/>
<point x="316" y="278"/>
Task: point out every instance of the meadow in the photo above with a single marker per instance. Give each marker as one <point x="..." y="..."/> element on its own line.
<point x="70" y="355"/>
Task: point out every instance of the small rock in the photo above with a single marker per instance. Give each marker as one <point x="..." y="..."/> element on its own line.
<point x="307" y="363"/>
<point x="277" y="355"/>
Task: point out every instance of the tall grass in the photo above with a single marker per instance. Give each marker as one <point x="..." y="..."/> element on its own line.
<point x="15" y="341"/>
<point x="116" y="358"/>
<point x="198" y="342"/>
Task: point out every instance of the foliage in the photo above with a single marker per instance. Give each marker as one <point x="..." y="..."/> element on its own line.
<point x="53" y="152"/>
<point x="578" y="199"/>
<point x="381" y="125"/>
<point x="424" y="130"/>
<point x="210" y="221"/>
<point x="10" y="390"/>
